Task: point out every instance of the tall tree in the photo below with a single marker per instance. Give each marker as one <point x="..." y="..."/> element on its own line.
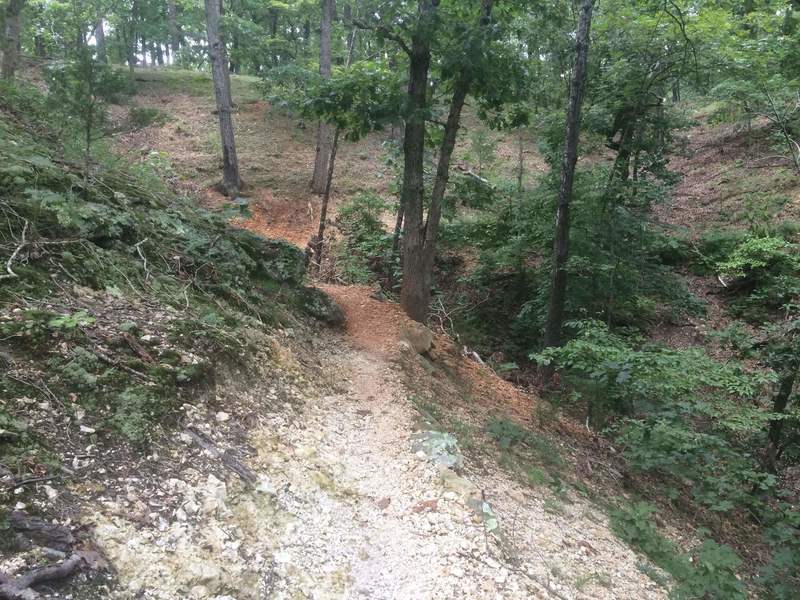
<point x="558" y="290"/>
<point x="420" y="247"/>
<point x="174" y="30"/>
<point x="231" y="181"/>
<point x="318" y="242"/>
<point x="100" y="40"/>
<point x="11" y="39"/>
<point x="413" y="294"/>
<point x="318" y="181"/>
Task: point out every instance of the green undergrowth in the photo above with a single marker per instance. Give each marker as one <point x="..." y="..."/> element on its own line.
<point x="119" y="299"/>
<point x="195" y="83"/>
<point x="707" y="571"/>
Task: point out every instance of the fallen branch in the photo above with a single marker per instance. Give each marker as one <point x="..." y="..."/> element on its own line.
<point x="20" y="587"/>
<point x="115" y="363"/>
<point x="23" y="482"/>
<point x="138" y="247"/>
<point x="227" y="459"/>
<point x="10" y="272"/>
<point x="40" y="532"/>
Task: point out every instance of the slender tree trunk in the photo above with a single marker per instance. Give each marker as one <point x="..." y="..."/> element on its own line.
<point x="174" y="30"/>
<point x="231" y="182"/>
<point x="413" y="294"/>
<point x="318" y="243"/>
<point x="558" y="290"/>
<point x="323" y="129"/>
<point x="160" y="54"/>
<point x="775" y="431"/>
<point x="273" y="34"/>
<point x="39" y="46"/>
<point x="100" y="41"/>
<point x="790" y="18"/>
<point x="420" y="241"/>
<point x="11" y="39"/>
<point x="143" y="41"/>
<point x="520" y="159"/>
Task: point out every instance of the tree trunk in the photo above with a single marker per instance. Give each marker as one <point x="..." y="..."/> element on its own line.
<point x="231" y="182"/>
<point x="273" y="34"/>
<point x="143" y="41"/>
<point x="775" y="432"/>
<point x="318" y="243"/>
<point x="39" y="47"/>
<point x="323" y="129"/>
<point x="11" y="41"/>
<point x="420" y="240"/>
<point x="558" y="290"/>
<point x="174" y="31"/>
<point x="413" y="295"/>
<point x="520" y="159"/>
<point x="790" y="18"/>
<point x="160" y="55"/>
<point x="100" y="41"/>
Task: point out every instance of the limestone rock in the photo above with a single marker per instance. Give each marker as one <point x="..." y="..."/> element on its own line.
<point x="419" y="337"/>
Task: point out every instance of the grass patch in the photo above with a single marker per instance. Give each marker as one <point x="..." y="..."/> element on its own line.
<point x="195" y="83"/>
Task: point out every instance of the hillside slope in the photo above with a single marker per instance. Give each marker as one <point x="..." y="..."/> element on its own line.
<point x="185" y="428"/>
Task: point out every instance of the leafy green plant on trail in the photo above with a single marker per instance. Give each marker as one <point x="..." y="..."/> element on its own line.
<point x="685" y="415"/>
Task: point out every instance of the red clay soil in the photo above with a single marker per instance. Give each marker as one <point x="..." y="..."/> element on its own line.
<point x="372" y="325"/>
<point x="293" y="221"/>
<point x="376" y="326"/>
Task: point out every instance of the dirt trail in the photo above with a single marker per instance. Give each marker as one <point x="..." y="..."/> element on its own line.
<point x="344" y="503"/>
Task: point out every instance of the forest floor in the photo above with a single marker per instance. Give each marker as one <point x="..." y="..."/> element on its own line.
<point x="326" y="473"/>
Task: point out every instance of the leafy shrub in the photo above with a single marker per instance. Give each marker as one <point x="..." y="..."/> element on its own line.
<point x="766" y="270"/>
<point x="617" y="266"/>
<point x="364" y="254"/>
<point x="780" y="578"/>
<point x="79" y="91"/>
<point x="144" y="116"/>
<point x="707" y="572"/>
<point x="687" y="415"/>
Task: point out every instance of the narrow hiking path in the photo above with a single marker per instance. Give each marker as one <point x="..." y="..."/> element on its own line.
<point x="309" y="478"/>
<point x="343" y="503"/>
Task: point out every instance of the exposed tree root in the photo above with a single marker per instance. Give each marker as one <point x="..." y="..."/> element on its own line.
<point x="20" y="588"/>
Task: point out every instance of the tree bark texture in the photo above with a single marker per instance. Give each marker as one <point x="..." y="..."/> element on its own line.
<point x="779" y="405"/>
<point x="558" y="290"/>
<point x="413" y="294"/>
<point x="419" y="247"/>
<point x="231" y="182"/>
<point x="323" y="129"/>
<point x="11" y="39"/>
<point x="174" y="30"/>
<point x="100" y="41"/>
